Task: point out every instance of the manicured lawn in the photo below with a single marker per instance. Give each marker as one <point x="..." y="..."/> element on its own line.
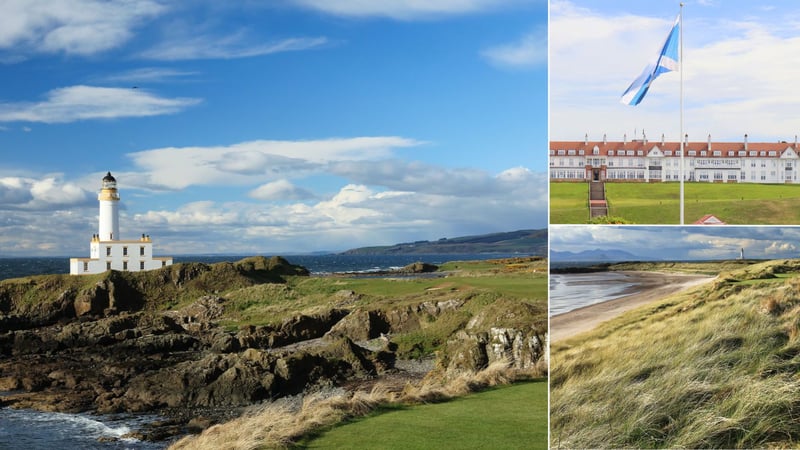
<point x="569" y="202"/>
<point x="507" y="417"/>
<point x="658" y="203"/>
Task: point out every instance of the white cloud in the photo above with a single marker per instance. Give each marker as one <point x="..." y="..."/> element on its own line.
<point x="74" y="103"/>
<point x="737" y="78"/>
<point x="82" y="27"/>
<point x="404" y="9"/>
<point x="148" y="75"/>
<point x="226" y="47"/>
<point x="529" y="51"/>
<point x="45" y="193"/>
<point x="280" y="190"/>
<point x="254" y="161"/>
<point x="778" y="247"/>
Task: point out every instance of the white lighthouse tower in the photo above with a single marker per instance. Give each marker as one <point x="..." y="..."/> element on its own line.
<point x="109" y="209"/>
<point x="109" y="252"/>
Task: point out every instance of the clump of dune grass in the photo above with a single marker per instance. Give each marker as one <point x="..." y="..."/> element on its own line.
<point x="279" y="425"/>
<point x="716" y="366"/>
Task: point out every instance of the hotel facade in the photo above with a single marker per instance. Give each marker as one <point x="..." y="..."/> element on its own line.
<point x="642" y="160"/>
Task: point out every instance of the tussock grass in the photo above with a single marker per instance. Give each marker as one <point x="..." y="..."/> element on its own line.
<point x="278" y="425"/>
<point x="716" y="366"/>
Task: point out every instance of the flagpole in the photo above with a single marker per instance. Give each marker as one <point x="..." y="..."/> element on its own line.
<point x="680" y="58"/>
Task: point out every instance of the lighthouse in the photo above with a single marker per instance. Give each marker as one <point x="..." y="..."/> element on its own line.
<point x="107" y="251"/>
<point x="109" y="209"/>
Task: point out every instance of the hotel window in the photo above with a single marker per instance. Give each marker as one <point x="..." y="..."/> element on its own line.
<point x="85" y="266"/>
<point x="124" y="251"/>
<point x="562" y="152"/>
<point x="639" y="153"/>
<point x="742" y="153"/>
<point x="163" y="263"/>
<point x="108" y="251"/>
<point x="141" y="251"/>
<point x="571" y="152"/>
<point x="772" y="153"/>
<point x="108" y="265"/>
<point x="611" y="153"/>
<point x="595" y="151"/>
<point x="762" y="153"/>
<point x="692" y="153"/>
<point x="124" y="265"/>
<point x="552" y="152"/>
<point x="753" y="153"/>
<point x="719" y="153"/>
<point x="581" y="152"/>
<point x="703" y="153"/>
<point x="141" y="265"/>
<point x="730" y="153"/>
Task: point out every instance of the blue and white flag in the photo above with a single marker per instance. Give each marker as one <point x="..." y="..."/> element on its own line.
<point x="667" y="61"/>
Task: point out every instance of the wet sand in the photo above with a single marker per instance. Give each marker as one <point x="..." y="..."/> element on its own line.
<point x="651" y="286"/>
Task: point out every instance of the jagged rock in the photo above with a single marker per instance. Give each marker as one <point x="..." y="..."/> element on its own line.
<point x="361" y="325"/>
<point x="419" y="267"/>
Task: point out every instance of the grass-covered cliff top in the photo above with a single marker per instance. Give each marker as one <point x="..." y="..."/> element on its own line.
<point x="716" y="366"/>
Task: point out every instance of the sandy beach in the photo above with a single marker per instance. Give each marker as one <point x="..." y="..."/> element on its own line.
<point x="651" y="286"/>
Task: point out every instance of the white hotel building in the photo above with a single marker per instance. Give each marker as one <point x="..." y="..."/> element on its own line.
<point x="657" y="161"/>
<point x="107" y="251"/>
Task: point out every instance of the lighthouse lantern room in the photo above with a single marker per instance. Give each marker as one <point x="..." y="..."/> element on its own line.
<point x="107" y="251"/>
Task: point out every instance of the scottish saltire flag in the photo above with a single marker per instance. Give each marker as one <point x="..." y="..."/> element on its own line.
<point x="667" y="61"/>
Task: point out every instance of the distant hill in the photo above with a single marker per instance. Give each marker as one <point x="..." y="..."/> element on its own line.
<point x="597" y="255"/>
<point x="529" y="242"/>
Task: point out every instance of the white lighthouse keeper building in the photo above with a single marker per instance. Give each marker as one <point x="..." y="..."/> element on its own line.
<point x="107" y="251"/>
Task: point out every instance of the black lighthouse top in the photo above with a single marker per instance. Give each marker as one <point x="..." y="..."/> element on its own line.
<point x="109" y="182"/>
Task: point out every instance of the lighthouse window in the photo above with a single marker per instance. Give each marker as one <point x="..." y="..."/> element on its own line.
<point x="108" y="251"/>
<point x="141" y="251"/>
<point x="85" y="266"/>
<point x="141" y="265"/>
<point x="108" y="265"/>
<point x="124" y="265"/>
<point x="124" y="251"/>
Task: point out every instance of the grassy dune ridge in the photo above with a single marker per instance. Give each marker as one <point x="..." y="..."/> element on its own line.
<point x="714" y="366"/>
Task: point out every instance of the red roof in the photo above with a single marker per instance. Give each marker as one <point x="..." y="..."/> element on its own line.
<point x="697" y="147"/>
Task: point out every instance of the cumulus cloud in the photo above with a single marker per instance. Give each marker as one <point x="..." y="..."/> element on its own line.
<point x="722" y="55"/>
<point x="280" y="190"/>
<point x="777" y="247"/>
<point x="81" y="27"/>
<point x="529" y="51"/>
<point x="77" y="103"/>
<point x="404" y="9"/>
<point x="47" y="193"/>
<point x="253" y="161"/>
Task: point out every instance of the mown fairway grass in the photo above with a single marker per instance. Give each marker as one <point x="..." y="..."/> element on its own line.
<point x="569" y="202"/>
<point x="505" y="417"/>
<point x="658" y="203"/>
<point x="714" y="367"/>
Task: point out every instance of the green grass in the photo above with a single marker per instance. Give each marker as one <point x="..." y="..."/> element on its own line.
<point x="507" y="417"/>
<point x="569" y="202"/>
<point x="658" y="203"/>
<point x="714" y="367"/>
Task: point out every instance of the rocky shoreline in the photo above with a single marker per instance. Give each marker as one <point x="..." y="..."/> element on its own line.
<point x="106" y="348"/>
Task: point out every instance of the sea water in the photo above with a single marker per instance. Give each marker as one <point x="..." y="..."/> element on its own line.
<point x="26" y="429"/>
<point x="575" y="290"/>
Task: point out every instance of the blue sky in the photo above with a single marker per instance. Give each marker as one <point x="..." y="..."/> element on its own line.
<point x="271" y="127"/>
<point x="739" y="72"/>
<point x="680" y="243"/>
